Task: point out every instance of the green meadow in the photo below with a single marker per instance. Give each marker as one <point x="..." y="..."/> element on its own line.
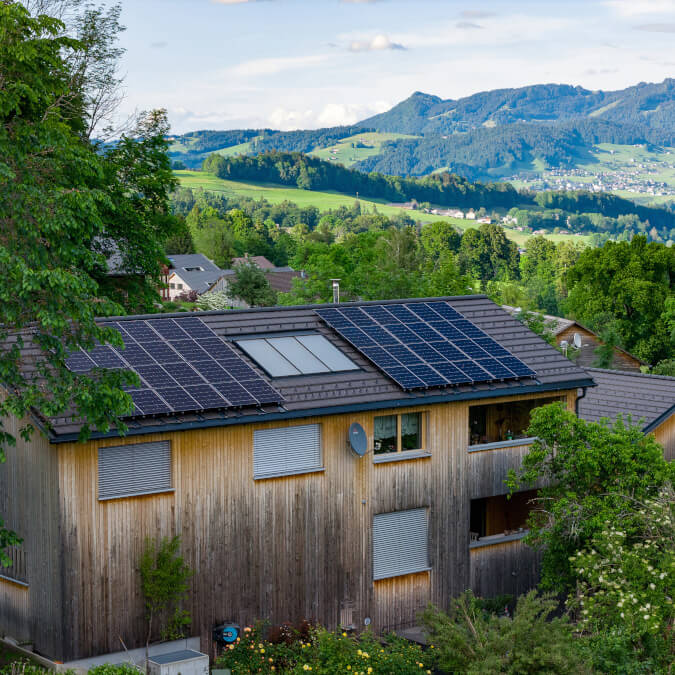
<point x="344" y="151"/>
<point x="276" y="194"/>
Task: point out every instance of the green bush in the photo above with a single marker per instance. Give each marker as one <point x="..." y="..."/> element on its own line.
<point x="317" y="650"/>
<point x="470" y="640"/>
<point x="119" y="669"/>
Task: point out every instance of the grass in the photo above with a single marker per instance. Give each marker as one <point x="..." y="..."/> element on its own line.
<point x="345" y="154"/>
<point x="8" y="656"/>
<point x="276" y="194"/>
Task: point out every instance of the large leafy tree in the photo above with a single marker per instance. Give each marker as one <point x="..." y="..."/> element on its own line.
<point x="627" y="285"/>
<point x="488" y="255"/>
<point x="66" y="204"/>
<point x="589" y="470"/>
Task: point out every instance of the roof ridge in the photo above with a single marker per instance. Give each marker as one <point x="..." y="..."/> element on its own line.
<point x="632" y="373"/>
<point x="276" y="308"/>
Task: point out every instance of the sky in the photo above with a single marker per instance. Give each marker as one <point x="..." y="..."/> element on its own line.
<point x="302" y="64"/>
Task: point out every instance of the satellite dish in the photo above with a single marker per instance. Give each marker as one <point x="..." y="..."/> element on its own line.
<point x="358" y="439"/>
<point x="577" y="340"/>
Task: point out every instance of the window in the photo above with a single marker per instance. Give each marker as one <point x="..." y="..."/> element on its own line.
<point x="502" y="421"/>
<point x="307" y="354"/>
<point x="172" y="285"/>
<point x="400" y="543"/>
<point x="136" y="469"/>
<point x="193" y="269"/>
<point x="499" y="516"/>
<point x="398" y="433"/>
<point x="287" y="451"/>
<point x="179" y="286"/>
<point x="16" y="570"/>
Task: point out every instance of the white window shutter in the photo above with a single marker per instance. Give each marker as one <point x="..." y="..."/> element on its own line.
<point x="400" y="543"/>
<point x="136" y="469"/>
<point x="287" y="450"/>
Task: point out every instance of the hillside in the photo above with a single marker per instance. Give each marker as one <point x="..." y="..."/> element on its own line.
<point x="649" y="107"/>
<point x="542" y="136"/>
<point x="325" y="200"/>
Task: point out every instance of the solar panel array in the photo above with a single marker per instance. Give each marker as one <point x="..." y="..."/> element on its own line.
<point x="424" y="344"/>
<point x="183" y="365"/>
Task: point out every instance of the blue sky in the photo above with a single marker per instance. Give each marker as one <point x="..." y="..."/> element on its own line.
<point x="288" y="64"/>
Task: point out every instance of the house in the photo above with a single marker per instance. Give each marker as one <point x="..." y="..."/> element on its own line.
<point x="648" y="399"/>
<point x="191" y="272"/>
<point x="258" y="260"/>
<point x="485" y="220"/>
<point x="582" y="342"/>
<point x="279" y="278"/>
<point x="340" y="463"/>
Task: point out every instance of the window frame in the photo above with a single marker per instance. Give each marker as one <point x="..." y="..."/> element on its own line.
<point x="264" y="337"/>
<point x="400" y="454"/>
<point x="289" y="472"/>
<point x="137" y="493"/>
<point x="426" y="567"/>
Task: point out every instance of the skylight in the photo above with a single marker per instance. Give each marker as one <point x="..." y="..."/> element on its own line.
<point x="305" y="354"/>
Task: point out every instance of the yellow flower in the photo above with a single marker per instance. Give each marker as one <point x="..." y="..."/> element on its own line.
<point x="262" y="651"/>
<point x="260" y="646"/>
<point x="247" y="630"/>
<point x="370" y="670"/>
<point x="305" y="667"/>
<point x="359" y="652"/>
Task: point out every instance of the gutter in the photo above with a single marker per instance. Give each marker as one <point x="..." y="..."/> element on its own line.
<point x="576" y="403"/>
<point x="257" y="418"/>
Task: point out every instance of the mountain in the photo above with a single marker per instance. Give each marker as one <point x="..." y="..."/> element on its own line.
<point x="650" y="106"/>
<point x="542" y="135"/>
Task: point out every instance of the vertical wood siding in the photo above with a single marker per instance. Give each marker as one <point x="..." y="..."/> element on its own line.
<point x="665" y="435"/>
<point x="29" y="505"/>
<point x="510" y="568"/>
<point x="282" y="549"/>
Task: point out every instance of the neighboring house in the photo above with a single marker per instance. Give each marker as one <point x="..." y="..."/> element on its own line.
<point x="582" y="342"/>
<point x="279" y="278"/>
<point x="191" y="272"/>
<point x="240" y="444"/>
<point x="649" y="399"/>
<point x="258" y="260"/>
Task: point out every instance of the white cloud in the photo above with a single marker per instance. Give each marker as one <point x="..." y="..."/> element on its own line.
<point x="638" y="7"/>
<point x="331" y="115"/>
<point x="378" y="42"/>
<point x="468" y="24"/>
<point x="274" y="65"/>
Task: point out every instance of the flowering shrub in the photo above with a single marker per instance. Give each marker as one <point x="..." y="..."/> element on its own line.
<point x="626" y="582"/>
<point x="321" y="652"/>
<point x="213" y="300"/>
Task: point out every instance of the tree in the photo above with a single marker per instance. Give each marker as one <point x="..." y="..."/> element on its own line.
<point x="164" y="584"/>
<point x="252" y="286"/>
<point x="587" y="468"/>
<point x="487" y="254"/>
<point x="632" y="282"/>
<point x="65" y="203"/>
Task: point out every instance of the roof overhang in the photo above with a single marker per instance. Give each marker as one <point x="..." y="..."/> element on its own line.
<point x="659" y="420"/>
<point x="258" y="418"/>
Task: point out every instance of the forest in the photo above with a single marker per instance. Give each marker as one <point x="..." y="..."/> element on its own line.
<point x="603" y="213"/>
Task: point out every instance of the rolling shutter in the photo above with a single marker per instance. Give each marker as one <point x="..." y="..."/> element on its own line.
<point x="137" y="469"/>
<point x="400" y="543"/>
<point x="286" y="451"/>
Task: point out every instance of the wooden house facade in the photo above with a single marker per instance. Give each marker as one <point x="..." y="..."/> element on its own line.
<point x="278" y="517"/>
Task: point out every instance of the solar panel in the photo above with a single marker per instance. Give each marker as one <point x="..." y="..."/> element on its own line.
<point x="424" y="344"/>
<point x="184" y="366"/>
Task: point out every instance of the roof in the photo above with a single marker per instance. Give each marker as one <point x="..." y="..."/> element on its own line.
<point x="279" y="278"/>
<point x="366" y="389"/>
<point x="557" y="323"/>
<point x="200" y="280"/>
<point x="260" y="260"/>
<point x="645" y="397"/>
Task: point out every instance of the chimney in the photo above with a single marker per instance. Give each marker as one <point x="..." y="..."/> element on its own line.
<point x="336" y="290"/>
